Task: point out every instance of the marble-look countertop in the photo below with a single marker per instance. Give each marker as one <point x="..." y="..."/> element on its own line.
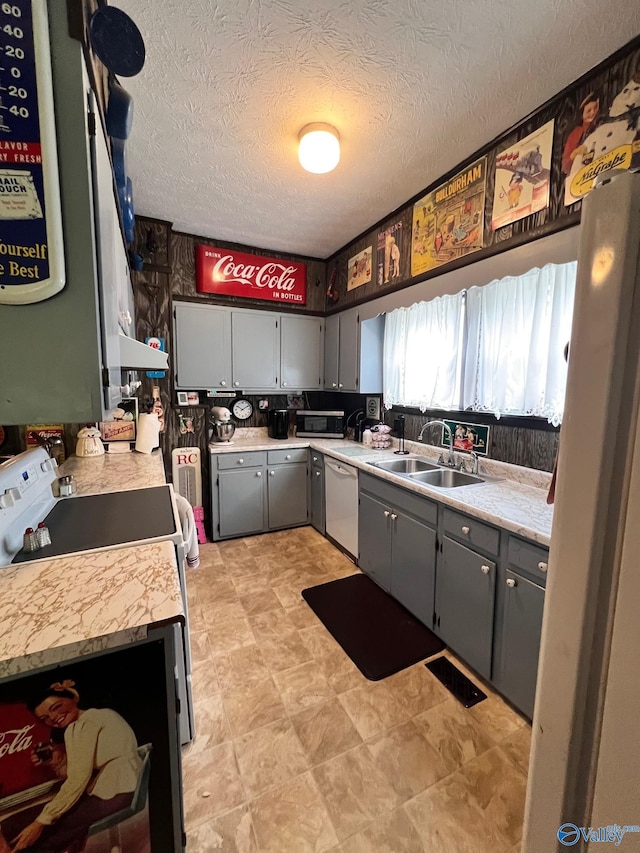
<point x="517" y="502"/>
<point x="115" y="472"/>
<point x="60" y="609"/>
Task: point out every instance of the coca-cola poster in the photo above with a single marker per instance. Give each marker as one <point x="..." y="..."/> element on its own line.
<point x="225" y="272"/>
<point x="84" y="747"/>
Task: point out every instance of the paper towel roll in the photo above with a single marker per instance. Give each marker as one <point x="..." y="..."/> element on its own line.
<point x="148" y="433"/>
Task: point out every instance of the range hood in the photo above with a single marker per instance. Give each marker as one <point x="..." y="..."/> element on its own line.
<point x="134" y="355"/>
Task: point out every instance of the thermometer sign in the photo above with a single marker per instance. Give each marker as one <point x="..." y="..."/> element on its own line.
<point x="31" y="254"/>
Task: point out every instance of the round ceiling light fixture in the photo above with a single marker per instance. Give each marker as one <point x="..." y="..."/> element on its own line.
<point x="319" y="148"/>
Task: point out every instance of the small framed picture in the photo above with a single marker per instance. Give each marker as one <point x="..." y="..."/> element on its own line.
<point x="183" y="398"/>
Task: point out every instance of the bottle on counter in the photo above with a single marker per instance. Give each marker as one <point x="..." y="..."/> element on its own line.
<point x="367" y="437"/>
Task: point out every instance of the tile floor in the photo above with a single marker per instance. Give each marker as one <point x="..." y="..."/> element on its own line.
<point x="296" y="751"/>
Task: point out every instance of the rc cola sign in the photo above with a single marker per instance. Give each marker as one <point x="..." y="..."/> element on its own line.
<point x="224" y="272"/>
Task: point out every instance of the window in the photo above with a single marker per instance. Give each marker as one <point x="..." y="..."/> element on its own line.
<point x="497" y="348"/>
<point x="423" y="354"/>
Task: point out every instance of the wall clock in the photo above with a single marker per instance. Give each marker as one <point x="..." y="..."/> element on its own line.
<point x="242" y="409"/>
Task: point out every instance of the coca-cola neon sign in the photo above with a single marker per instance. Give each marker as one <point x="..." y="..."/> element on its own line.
<point x="229" y="273"/>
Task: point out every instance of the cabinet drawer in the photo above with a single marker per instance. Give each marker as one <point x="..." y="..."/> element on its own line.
<point x="399" y="498"/>
<point x="472" y="532"/>
<point x="529" y="558"/>
<point x="226" y="461"/>
<point x="292" y="454"/>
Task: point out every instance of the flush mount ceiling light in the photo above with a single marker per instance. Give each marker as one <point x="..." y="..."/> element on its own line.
<point x="319" y="149"/>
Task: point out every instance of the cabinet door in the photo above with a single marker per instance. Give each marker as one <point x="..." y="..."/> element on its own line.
<point x="287" y="487"/>
<point x="465" y="595"/>
<point x="331" y="348"/>
<point x="374" y="537"/>
<point x="316" y="496"/>
<point x="348" y="349"/>
<point x="255" y="349"/>
<point x="413" y="566"/>
<point x="301" y="353"/>
<point x="241" y="502"/>
<point x="202" y="344"/>
<point x="516" y="664"/>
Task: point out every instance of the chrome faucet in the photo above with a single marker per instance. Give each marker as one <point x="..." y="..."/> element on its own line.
<point x="473" y="469"/>
<point x="451" y="459"/>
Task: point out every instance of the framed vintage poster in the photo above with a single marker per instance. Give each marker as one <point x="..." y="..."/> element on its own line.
<point x="31" y="247"/>
<point x="522" y="177"/>
<point x="448" y="223"/>
<point x="605" y="132"/>
<point x="359" y="269"/>
<point x="389" y="255"/>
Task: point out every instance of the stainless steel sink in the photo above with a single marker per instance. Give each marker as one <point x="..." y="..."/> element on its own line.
<point x="409" y="465"/>
<point x="446" y="478"/>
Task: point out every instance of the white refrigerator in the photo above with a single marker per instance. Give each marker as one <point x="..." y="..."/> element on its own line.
<point x="584" y="781"/>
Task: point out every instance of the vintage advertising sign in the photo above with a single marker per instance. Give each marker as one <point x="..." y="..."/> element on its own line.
<point x="389" y="255"/>
<point x="448" y="223"/>
<point x="359" y="269"/>
<point x="31" y="250"/>
<point x="225" y="272"/>
<point x="467" y="437"/>
<point x="606" y="135"/>
<point x="522" y="177"/>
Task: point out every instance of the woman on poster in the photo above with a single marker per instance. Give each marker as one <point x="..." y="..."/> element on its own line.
<point x="100" y="776"/>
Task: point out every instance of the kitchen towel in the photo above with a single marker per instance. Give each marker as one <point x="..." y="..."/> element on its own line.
<point x="189" y="531"/>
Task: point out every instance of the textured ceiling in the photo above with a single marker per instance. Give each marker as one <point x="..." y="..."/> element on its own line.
<point x="413" y="87"/>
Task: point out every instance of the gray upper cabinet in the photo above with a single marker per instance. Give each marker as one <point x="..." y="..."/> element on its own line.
<point x="238" y="349"/>
<point x="202" y="345"/>
<point x="301" y="348"/>
<point x="331" y="352"/>
<point x="353" y="353"/>
<point x="255" y="343"/>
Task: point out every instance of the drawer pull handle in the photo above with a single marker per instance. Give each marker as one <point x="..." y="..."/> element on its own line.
<point x="393" y="516"/>
<point x="236" y="384"/>
<point x="288" y="456"/>
<point x="258" y="473"/>
<point x="466" y="530"/>
<point x="240" y="461"/>
<point x="543" y="566"/>
<point x="485" y="570"/>
<point x="284" y="384"/>
<point x="222" y="383"/>
<point x="271" y="473"/>
<point x="334" y="384"/>
<point x="511" y="583"/>
<point x="387" y="513"/>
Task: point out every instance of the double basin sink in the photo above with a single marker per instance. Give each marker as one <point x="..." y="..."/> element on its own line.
<point x="429" y="473"/>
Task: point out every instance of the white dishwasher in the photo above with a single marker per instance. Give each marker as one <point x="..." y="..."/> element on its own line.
<point x="341" y="496"/>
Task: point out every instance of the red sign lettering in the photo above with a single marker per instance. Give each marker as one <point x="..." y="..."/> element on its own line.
<point x="225" y="272"/>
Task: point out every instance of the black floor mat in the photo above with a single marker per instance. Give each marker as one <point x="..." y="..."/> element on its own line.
<point x="456" y="682"/>
<point x="379" y="635"/>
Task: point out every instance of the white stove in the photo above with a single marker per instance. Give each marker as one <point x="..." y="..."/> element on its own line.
<point x="79" y="524"/>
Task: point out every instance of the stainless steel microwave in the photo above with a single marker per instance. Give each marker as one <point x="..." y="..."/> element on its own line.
<point x="315" y="424"/>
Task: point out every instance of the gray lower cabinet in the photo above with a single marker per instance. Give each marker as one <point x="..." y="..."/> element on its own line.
<point x="465" y="595"/>
<point x="240" y="502"/>
<point x="520" y="606"/>
<point x="398" y="544"/>
<point x="256" y="491"/>
<point x="287" y="493"/>
<point x="316" y="491"/>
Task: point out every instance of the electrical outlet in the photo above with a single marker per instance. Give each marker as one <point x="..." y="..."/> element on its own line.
<point x="373" y="407"/>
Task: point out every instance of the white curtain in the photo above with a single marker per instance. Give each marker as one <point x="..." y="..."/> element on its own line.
<point x="517" y="330"/>
<point x="423" y="354"/>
